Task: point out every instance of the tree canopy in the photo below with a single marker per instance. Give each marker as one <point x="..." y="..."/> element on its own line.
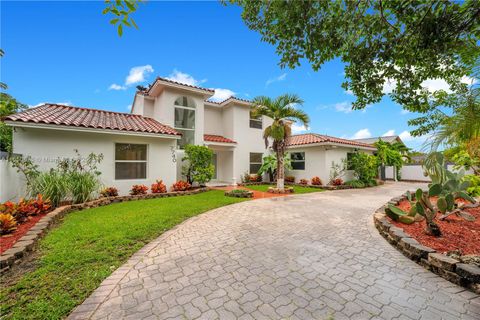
<point x="8" y="106"/>
<point x="383" y="44"/>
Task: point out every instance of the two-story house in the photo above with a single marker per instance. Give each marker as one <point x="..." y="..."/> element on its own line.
<point x="147" y="144"/>
<point x="225" y="127"/>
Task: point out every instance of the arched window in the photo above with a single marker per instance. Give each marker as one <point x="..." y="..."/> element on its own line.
<point x="185" y="102"/>
<point x="185" y="120"/>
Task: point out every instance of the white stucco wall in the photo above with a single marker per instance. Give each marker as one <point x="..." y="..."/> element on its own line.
<point x="47" y="145"/>
<point x="213" y="121"/>
<point x="12" y="183"/>
<point x="318" y="162"/>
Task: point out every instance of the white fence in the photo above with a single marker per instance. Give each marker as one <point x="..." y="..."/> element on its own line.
<point x="414" y="172"/>
<point x="12" y="184"/>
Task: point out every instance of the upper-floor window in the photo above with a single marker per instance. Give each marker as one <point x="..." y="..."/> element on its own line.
<point x="298" y="160"/>
<point x="185" y="120"/>
<point x="255" y="122"/>
<point x="130" y="161"/>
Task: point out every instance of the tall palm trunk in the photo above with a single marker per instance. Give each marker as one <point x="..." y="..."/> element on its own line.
<point x="280" y="166"/>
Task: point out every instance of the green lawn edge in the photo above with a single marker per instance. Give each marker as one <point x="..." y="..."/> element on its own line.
<point x="76" y="256"/>
<point x="296" y="189"/>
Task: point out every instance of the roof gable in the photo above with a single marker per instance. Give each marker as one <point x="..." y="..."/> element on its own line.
<point x="313" y="138"/>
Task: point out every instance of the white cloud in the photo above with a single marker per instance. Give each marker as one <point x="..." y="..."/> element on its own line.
<point x="222" y="94"/>
<point x="404" y="111"/>
<point x="406" y="136"/>
<point x="389" y="85"/>
<point x="390" y="132"/>
<point x="281" y="77"/>
<point x="184" y="78"/>
<point x="115" y="86"/>
<point x="362" y="134"/>
<point x="298" y="128"/>
<point x="349" y="92"/>
<point x="129" y="107"/>
<point x="138" y="74"/>
<point x="345" y="107"/>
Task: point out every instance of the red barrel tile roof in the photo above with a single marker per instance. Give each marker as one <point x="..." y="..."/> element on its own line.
<point x="91" y="118"/>
<point x="216" y="138"/>
<point x="311" y="138"/>
<point x="179" y="83"/>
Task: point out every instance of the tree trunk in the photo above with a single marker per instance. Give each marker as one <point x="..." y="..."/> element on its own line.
<point x="280" y="167"/>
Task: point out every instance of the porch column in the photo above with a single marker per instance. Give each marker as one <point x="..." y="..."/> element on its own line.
<point x="234" y="178"/>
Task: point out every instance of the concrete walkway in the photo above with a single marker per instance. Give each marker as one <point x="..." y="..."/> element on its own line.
<point x="312" y="256"/>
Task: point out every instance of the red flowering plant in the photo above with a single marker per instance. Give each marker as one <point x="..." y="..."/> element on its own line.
<point x="181" y="186"/>
<point x="138" y="189"/>
<point x="109" y="192"/>
<point x="304" y="181"/>
<point x="158" y="187"/>
<point x="316" y="181"/>
<point x="337" y="182"/>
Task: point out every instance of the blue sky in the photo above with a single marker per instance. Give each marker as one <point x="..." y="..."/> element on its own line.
<point x="67" y="52"/>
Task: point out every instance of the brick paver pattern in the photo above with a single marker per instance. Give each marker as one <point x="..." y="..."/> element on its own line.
<point x="312" y="256"/>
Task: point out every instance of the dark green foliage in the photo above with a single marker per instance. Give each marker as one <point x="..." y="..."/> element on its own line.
<point x="198" y="167"/>
<point x="365" y="167"/>
<point x="404" y="42"/>
<point x="8" y="106"/>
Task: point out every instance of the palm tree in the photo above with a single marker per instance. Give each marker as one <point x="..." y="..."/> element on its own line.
<point x="283" y="113"/>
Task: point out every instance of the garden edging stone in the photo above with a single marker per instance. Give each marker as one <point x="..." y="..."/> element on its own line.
<point x="466" y="275"/>
<point x="28" y="242"/>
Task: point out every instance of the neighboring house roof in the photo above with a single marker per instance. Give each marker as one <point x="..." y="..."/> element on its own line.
<point x="217" y="138"/>
<point x="388" y="139"/>
<point x="55" y="114"/>
<point x="313" y="138"/>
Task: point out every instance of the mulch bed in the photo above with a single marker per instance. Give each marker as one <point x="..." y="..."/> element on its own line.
<point x="7" y="241"/>
<point x="457" y="233"/>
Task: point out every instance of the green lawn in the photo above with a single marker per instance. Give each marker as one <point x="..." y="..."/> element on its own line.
<point x="89" y="245"/>
<point x="296" y="189"/>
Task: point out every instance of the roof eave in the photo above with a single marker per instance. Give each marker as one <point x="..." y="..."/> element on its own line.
<point x="24" y="124"/>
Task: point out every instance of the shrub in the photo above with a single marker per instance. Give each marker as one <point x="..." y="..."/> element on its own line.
<point x="337" y="182"/>
<point x="41" y="205"/>
<point x="355" y="184"/>
<point x="8" y="208"/>
<point x="290" y="179"/>
<point x="365" y="166"/>
<point x="7" y="223"/>
<point x="138" y="189"/>
<point x="255" y="178"/>
<point x="245" y="177"/>
<point x="474" y="188"/>
<point x="316" y="181"/>
<point x="158" y="187"/>
<point x="52" y="184"/>
<point x="81" y="176"/>
<point x="109" y="192"/>
<point x="23" y="210"/>
<point x="239" y="193"/>
<point x="181" y="186"/>
<point x="304" y="181"/>
<point x="199" y="167"/>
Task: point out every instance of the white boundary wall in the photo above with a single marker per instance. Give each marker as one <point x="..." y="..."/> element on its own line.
<point x="12" y="184"/>
<point x="415" y="172"/>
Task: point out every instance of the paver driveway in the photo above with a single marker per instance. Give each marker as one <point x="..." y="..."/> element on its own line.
<point x="301" y="257"/>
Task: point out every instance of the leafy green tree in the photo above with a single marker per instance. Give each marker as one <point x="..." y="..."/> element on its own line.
<point x="3" y="85"/>
<point x="380" y="42"/>
<point x="198" y="167"/>
<point x="282" y="110"/>
<point x="365" y="167"/>
<point x="8" y="106"/>
<point x="122" y="11"/>
<point x="269" y="165"/>
<point x="391" y="154"/>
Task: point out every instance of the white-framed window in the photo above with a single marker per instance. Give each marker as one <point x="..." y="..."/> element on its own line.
<point x="255" y="122"/>
<point x="255" y="162"/>
<point x="185" y="120"/>
<point x="298" y="160"/>
<point x="130" y="161"/>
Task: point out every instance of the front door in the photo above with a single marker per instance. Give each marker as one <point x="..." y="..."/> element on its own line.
<point x="214" y="162"/>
